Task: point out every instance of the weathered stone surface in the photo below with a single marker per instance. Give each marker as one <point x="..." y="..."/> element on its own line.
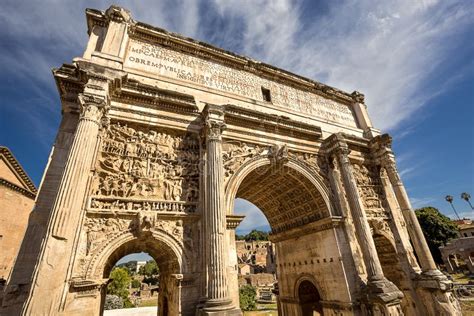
<point x="161" y="133"/>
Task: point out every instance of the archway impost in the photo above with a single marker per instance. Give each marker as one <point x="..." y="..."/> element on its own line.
<point x="234" y="220"/>
<point x="86" y="287"/>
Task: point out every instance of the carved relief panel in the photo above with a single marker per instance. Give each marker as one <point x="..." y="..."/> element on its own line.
<point x="140" y="169"/>
<point x="370" y="190"/>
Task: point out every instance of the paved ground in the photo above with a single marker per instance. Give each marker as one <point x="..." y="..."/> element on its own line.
<point x="139" y="311"/>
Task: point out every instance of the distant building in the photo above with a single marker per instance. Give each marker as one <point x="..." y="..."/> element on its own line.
<point x="458" y="254"/>
<point x="139" y="265"/>
<point x="258" y="254"/>
<point x="17" y="197"/>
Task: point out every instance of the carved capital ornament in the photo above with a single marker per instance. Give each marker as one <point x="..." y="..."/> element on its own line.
<point x="92" y="108"/>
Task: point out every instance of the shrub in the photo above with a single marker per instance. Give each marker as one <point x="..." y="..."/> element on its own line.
<point x="136" y="284"/>
<point x="248" y="298"/>
<point x="113" y="302"/>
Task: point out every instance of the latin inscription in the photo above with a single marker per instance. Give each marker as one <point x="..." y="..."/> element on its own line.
<point x="166" y="62"/>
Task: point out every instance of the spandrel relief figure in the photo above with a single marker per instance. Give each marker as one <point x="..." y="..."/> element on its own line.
<point x="149" y="165"/>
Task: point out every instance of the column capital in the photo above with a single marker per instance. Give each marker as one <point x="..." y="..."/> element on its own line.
<point x="92" y="107"/>
<point x="336" y="145"/>
<point x="213" y="122"/>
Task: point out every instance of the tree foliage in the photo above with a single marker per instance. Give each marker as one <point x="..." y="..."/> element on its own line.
<point x="254" y="235"/>
<point x="248" y="298"/>
<point x="149" y="269"/>
<point x="136" y="284"/>
<point x="437" y="228"/>
<point x="120" y="283"/>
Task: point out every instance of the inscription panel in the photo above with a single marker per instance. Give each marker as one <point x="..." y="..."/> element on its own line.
<point x="165" y="62"/>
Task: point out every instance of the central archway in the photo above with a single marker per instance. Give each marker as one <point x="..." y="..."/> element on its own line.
<point x="296" y="203"/>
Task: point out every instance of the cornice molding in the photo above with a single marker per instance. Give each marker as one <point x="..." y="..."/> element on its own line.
<point x="134" y="92"/>
<point x="17" y="188"/>
<point x="257" y="120"/>
<point x="19" y="172"/>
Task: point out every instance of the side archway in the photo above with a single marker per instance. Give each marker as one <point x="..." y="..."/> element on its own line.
<point x="309" y="297"/>
<point x="165" y="250"/>
<point x="296" y="201"/>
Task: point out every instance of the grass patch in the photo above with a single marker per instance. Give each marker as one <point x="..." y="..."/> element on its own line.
<point x="148" y="302"/>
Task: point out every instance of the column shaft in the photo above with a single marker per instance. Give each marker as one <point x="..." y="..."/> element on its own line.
<point x="50" y="279"/>
<point x="414" y="229"/>
<point x="215" y="218"/>
<point x="372" y="262"/>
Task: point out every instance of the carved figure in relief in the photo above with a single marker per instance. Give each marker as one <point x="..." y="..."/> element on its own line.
<point x="151" y="165"/>
<point x="236" y="154"/>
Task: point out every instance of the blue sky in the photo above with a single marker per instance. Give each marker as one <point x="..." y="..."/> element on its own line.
<point x="412" y="59"/>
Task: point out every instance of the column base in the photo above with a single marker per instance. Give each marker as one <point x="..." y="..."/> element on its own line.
<point x="382" y="298"/>
<point x="383" y="292"/>
<point x="435" y="292"/>
<point x="219" y="307"/>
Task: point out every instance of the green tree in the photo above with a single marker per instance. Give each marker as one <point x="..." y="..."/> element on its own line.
<point x="437" y="228"/>
<point x="254" y="235"/>
<point x="149" y="269"/>
<point x="136" y="284"/>
<point x="120" y="283"/>
<point x="248" y="298"/>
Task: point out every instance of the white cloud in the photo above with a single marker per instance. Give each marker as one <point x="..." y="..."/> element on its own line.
<point x="254" y="218"/>
<point x="386" y="50"/>
<point x="421" y="202"/>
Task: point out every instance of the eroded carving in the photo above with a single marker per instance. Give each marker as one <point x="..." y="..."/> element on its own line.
<point x="370" y="190"/>
<point x="141" y="170"/>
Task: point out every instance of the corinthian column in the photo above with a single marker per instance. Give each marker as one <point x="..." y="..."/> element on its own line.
<point x="214" y="213"/>
<point x="414" y="229"/>
<point x="51" y="274"/>
<point x="433" y="286"/>
<point x="381" y="290"/>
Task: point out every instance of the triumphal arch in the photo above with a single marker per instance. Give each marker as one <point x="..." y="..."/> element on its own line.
<point x="161" y="133"/>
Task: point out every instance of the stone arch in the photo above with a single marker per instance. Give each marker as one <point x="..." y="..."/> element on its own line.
<point x="165" y="250"/>
<point x="308" y="293"/>
<point x="310" y="278"/>
<point x="262" y="165"/>
<point x="297" y="202"/>
<point x="123" y="244"/>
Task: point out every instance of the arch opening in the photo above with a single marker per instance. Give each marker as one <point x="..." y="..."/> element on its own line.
<point x="155" y="279"/>
<point x="286" y="197"/>
<point x="290" y="198"/>
<point x="309" y="299"/>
